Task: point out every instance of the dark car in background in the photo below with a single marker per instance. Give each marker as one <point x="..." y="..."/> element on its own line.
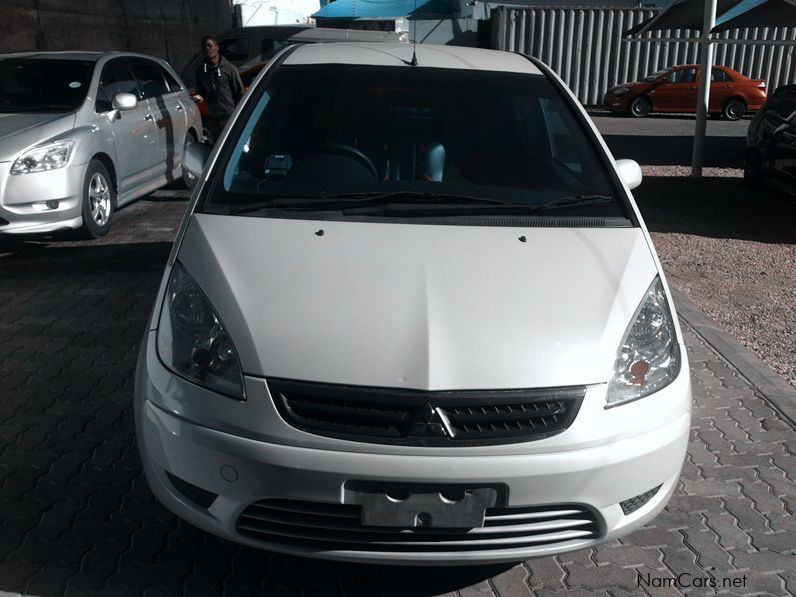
<point x="675" y="89"/>
<point x="771" y="141"/>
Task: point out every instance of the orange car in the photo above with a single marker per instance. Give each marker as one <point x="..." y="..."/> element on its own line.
<point x="246" y="76"/>
<point x="675" y="90"/>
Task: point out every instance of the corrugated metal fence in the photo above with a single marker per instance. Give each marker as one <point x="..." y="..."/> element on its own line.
<point x="587" y="49"/>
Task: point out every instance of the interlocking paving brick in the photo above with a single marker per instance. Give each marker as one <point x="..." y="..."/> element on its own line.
<point x="76" y="516"/>
<point x="781" y="542"/>
<point x="604" y="576"/>
<point x="626" y="556"/>
<point x="546" y="573"/>
<point x="764" y="561"/>
<point x="482" y="589"/>
<point x="760" y="584"/>
<point x="704" y="544"/>
<point x="748" y="518"/>
<point x="513" y="583"/>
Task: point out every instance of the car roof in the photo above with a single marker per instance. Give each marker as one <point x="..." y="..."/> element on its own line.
<point x="55" y="55"/>
<point x="74" y="55"/>
<point x="400" y="54"/>
<point x="785" y="89"/>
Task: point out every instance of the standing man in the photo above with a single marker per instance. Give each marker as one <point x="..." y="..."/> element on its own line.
<point x="217" y="83"/>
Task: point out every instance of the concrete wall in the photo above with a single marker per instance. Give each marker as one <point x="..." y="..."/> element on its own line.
<point x="170" y="29"/>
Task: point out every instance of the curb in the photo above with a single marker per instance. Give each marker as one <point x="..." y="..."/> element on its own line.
<point x="779" y="393"/>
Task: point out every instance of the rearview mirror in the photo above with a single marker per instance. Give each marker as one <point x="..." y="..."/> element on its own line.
<point x="195" y="158"/>
<point x="124" y="101"/>
<point x="629" y="172"/>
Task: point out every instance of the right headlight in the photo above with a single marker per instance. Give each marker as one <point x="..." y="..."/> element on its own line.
<point x="648" y="358"/>
<point x="193" y="342"/>
<point x="46" y="157"/>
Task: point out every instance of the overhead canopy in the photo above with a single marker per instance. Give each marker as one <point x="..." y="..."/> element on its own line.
<point x="758" y="13"/>
<point x="681" y="14"/>
<point x="374" y="9"/>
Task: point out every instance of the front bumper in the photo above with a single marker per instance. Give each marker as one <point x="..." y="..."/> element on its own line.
<point x="24" y="197"/>
<point x="234" y="471"/>
<point x="615" y="103"/>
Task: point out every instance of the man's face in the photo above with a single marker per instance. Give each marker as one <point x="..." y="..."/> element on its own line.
<point x="211" y="49"/>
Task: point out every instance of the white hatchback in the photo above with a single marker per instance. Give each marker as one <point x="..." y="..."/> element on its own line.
<point x="412" y="315"/>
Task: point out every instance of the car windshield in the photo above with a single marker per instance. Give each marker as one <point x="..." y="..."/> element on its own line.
<point x="655" y="75"/>
<point x="43" y="85"/>
<point x="340" y="136"/>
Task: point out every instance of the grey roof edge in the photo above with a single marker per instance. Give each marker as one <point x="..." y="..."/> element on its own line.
<point x="774" y="389"/>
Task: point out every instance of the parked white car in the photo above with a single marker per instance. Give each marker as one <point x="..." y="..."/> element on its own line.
<point x="82" y="133"/>
<point x="412" y="315"/>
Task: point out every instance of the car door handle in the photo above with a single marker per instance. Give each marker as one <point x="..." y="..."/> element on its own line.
<point x="178" y="108"/>
<point x="148" y="117"/>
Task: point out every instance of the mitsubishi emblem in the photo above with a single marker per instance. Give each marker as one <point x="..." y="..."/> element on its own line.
<point x="435" y="422"/>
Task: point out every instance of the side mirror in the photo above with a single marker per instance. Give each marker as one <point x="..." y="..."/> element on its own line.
<point x="124" y="101"/>
<point x="629" y="172"/>
<point x="195" y="158"/>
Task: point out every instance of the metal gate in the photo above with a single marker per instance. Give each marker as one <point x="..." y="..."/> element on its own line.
<point x="587" y="49"/>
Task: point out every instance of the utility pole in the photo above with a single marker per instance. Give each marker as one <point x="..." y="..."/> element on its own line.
<point x="706" y="58"/>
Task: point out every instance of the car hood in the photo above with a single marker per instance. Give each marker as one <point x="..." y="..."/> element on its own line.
<point x="632" y="85"/>
<point x="418" y="306"/>
<point x="23" y="130"/>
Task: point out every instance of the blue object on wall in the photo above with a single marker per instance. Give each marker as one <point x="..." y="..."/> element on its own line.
<point x="352" y="9"/>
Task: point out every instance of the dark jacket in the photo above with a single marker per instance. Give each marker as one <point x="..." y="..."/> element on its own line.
<point x="220" y="86"/>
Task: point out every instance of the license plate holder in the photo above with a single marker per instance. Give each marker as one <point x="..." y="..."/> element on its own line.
<point x="410" y="507"/>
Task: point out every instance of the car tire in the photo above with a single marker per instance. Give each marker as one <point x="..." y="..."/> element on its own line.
<point x="189" y="179"/>
<point x="753" y="167"/>
<point x="98" y="201"/>
<point x="734" y="109"/>
<point x="639" y="107"/>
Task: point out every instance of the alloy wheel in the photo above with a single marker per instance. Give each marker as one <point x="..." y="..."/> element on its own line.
<point x="640" y="107"/>
<point x="99" y="196"/>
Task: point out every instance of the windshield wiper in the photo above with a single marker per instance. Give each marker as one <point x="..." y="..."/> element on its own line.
<point x="357" y="201"/>
<point x="495" y="207"/>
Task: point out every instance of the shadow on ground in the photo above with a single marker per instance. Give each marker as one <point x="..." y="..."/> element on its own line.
<point x="76" y="516"/>
<point x="717" y="207"/>
<point x="720" y="152"/>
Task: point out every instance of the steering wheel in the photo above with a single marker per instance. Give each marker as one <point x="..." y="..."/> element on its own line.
<point x="342" y="150"/>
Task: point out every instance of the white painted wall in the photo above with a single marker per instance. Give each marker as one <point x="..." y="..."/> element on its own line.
<point x="277" y="12"/>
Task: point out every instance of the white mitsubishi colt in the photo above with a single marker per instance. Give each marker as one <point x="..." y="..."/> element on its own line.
<point x="412" y="316"/>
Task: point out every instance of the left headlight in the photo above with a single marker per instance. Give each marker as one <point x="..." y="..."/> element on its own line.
<point x="648" y="358"/>
<point x="193" y="342"/>
<point x="620" y="91"/>
<point x="47" y="157"/>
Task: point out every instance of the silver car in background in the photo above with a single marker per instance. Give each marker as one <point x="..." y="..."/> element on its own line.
<point x="82" y="133"/>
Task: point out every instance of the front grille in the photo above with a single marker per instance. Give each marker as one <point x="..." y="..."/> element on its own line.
<point x="409" y="417"/>
<point x="314" y="525"/>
